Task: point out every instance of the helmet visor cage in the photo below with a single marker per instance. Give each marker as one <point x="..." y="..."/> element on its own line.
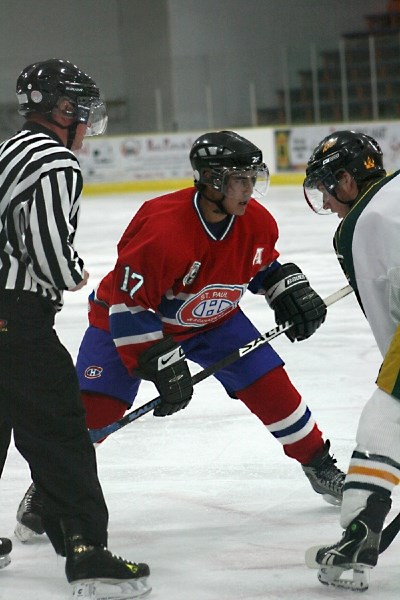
<point x="318" y="186"/>
<point x="255" y="178"/>
<point x="87" y="110"/>
<point x="92" y="112"/>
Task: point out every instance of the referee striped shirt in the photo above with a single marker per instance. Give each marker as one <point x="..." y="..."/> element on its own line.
<point x="40" y="189"/>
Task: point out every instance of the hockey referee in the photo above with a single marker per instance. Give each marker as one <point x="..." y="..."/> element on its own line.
<point x="40" y="190"/>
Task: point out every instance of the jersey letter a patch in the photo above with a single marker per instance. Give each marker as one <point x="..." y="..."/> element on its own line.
<point x="257" y="260"/>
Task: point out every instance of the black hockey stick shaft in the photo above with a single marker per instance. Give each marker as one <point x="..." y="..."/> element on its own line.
<point x="98" y="434"/>
<point x="389" y="533"/>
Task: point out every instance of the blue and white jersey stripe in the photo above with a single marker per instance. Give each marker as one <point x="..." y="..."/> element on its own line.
<point x="134" y="325"/>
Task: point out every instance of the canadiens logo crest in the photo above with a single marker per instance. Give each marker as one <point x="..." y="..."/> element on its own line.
<point x="93" y="372"/>
<point x="210" y="304"/>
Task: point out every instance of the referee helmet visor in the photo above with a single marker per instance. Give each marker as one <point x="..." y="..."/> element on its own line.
<point x="87" y="110"/>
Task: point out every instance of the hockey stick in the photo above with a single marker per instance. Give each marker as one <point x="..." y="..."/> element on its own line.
<point x="98" y="434"/>
<point x="389" y="533"/>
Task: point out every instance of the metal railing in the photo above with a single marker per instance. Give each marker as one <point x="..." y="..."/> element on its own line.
<point x="358" y="79"/>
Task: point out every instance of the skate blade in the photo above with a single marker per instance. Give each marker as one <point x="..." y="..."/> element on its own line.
<point x="330" y="575"/>
<point x="332" y="500"/>
<point x="24" y="534"/>
<point x="110" y="589"/>
<point x="333" y="576"/>
<point x="4" y="560"/>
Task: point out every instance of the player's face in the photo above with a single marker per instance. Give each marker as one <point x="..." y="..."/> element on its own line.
<point x="331" y="203"/>
<point x="333" y="193"/>
<point x="64" y="115"/>
<point x="238" y="191"/>
<point x="346" y="192"/>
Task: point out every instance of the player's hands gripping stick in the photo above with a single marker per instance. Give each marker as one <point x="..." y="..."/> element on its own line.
<point x="289" y="294"/>
<point x="164" y="363"/>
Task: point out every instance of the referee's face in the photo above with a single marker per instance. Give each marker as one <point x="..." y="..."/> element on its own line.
<point x="64" y="114"/>
<point x="79" y="135"/>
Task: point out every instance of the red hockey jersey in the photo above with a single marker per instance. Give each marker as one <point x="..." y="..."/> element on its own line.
<point x="173" y="276"/>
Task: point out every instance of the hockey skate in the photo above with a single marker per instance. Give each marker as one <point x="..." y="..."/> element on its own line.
<point x="96" y="574"/>
<point x="29" y="516"/>
<point x="325" y="477"/>
<point x="5" y="551"/>
<point x="356" y="553"/>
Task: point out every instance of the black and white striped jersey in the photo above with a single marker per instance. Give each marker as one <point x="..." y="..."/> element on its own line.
<point x="40" y="189"/>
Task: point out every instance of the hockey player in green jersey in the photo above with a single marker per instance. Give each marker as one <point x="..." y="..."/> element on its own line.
<point x="345" y="175"/>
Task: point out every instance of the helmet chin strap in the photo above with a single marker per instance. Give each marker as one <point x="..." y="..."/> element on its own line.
<point x="344" y="202"/>
<point x="219" y="208"/>
<point x="71" y="130"/>
<point x="348" y="203"/>
<point x="71" y="134"/>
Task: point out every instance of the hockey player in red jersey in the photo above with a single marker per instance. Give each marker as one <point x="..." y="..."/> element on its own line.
<point x="184" y="263"/>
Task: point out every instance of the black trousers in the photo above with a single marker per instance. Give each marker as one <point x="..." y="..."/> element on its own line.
<point x="40" y="401"/>
<point x="5" y="437"/>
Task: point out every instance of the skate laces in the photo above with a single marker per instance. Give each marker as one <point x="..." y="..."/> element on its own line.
<point x="337" y="545"/>
<point x="329" y="473"/>
<point x="81" y="548"/>
<point x="32" y="501"/>
<point x="346" y="549"/>
<point x="130" y="565"/>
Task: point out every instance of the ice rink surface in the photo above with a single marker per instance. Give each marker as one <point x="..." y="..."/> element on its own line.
<point x="206" y="497"/>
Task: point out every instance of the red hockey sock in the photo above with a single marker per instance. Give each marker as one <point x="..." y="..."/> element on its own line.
<point x="101" y="410"/>
<point x="273" y="398"/>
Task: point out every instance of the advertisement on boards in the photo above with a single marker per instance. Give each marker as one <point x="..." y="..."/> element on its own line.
<point x="294" y="145"/>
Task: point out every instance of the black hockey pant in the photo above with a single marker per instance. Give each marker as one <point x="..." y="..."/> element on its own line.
<point x="5" y="437"/>
<point x="40" y="400"/>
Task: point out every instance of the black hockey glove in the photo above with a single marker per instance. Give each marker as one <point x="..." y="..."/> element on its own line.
<point x="289" y="294"/>
<point x="164" y="364"/>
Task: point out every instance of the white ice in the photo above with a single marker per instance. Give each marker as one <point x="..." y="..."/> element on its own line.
<point x="206" y="497"/>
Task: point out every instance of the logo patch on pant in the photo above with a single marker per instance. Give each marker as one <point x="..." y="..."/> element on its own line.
<point x="93" y="372"/>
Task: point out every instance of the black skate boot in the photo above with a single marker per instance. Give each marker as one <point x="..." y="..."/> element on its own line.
<point x="325" y="477"/>
<point x="29" y="516"/>
<point x="357" y="551"/>
<point x="96" y="574"/>
<point x="5" y="551"/>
